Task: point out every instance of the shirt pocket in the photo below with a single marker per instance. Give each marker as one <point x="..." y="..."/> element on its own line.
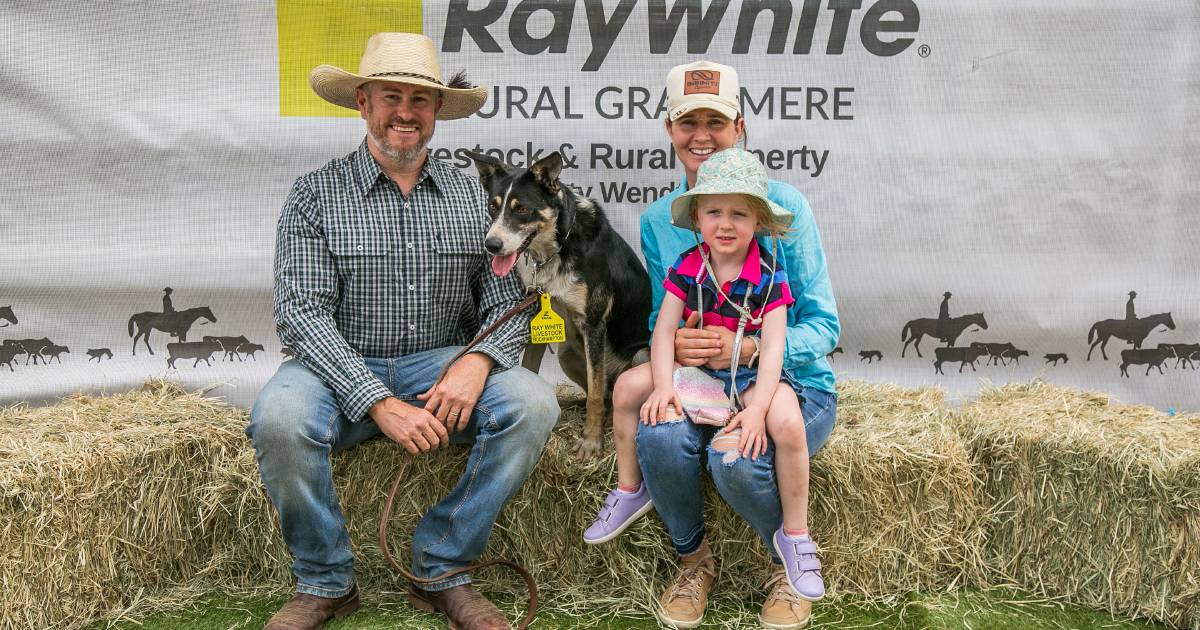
<point x="362" y="256"/>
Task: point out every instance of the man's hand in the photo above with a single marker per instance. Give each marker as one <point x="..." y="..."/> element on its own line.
<point x="452" y="401"/>
<point x="709" y="346"/>
<point x="412" y="427"/>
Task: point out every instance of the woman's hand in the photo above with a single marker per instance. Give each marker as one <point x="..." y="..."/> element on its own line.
<point x="663" y="404"/>
<point x="753" y="440"/>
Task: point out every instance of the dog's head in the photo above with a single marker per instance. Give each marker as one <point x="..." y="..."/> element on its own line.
<point x="527" y="208"/>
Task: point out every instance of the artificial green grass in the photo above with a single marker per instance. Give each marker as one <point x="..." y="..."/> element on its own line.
<point x="967" y="610"/>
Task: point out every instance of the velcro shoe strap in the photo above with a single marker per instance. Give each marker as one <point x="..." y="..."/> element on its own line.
<point x="809" y="564"/>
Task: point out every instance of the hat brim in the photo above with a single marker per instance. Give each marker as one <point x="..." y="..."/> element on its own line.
<point x="721" y="108"/>
<point x="681" y="215"/>
<point x="339" y="86"/>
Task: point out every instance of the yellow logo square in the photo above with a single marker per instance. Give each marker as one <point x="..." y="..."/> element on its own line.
<point x="313" y="32"/>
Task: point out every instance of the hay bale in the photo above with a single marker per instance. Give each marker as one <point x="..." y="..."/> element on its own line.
<point x="112" y="501"/>
<point x="106" y="499"/>
<point x="1093" y="502"/>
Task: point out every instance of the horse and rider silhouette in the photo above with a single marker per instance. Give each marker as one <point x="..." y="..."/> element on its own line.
<point x="1134" y="331"/>
<point x="6" y="314"/>
<point x="943" y="327"/>
<point x="174" y="323"/>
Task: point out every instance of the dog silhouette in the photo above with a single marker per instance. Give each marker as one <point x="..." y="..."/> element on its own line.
<point x="837" y="350"/>
<point x="1149" y="357"/>
<point x="870" y="356"/>
<point x="1055" y="357"/>
<point x="99" y="353"/>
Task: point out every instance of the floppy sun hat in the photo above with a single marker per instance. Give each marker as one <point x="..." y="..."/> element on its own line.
<point x="408" y="58"/>
<point x="731" y="171"/>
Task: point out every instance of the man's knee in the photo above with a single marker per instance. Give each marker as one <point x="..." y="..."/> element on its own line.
<point x="284" y="411"/>
<point x="526" y="400"/>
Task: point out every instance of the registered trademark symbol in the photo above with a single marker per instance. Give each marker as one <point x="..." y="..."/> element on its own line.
<point x="923" y="50"/>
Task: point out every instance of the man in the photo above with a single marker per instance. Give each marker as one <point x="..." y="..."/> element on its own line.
<point x="380" y="277"/>
<point x="943" y="321"/>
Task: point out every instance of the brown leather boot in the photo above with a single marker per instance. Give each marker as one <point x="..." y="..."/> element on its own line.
<point x="465" y="607"/>
<point x="310" y="612"/>
<point x="682" y="605"/>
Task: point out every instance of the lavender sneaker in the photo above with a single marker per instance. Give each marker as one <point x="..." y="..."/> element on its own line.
<point x="619" y="511"/>
<point x="799" y="556"/>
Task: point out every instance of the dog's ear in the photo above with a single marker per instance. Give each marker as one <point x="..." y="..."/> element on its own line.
<point x="546" y="171"/>
<point x="487" y="165"/>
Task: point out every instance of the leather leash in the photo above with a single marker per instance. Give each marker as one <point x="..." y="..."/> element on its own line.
<point x="528" y="301"/>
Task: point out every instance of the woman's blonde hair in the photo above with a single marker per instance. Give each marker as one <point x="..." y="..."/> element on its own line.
<point x="762" y="214"/>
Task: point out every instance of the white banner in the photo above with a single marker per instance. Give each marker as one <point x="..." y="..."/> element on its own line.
<point x="1039" y="162"/>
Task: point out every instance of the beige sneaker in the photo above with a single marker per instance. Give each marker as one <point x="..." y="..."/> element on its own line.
<point x="682" y="604"/>
<point x="784" y="609"/>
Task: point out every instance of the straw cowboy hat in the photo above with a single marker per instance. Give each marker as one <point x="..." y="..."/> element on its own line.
<point x="729" y="171"/>
<point x="408" y="58"/>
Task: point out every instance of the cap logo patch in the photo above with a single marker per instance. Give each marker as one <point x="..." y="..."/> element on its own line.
<point x="701" y="82"/>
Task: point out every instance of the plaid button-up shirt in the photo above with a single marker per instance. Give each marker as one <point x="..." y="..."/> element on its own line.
<point x="363" y="271"/>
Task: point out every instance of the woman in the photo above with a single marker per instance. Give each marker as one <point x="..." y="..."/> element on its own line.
<point x="705" y="117"/>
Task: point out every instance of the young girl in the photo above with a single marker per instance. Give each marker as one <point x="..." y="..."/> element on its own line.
<point x="731" y="282"/>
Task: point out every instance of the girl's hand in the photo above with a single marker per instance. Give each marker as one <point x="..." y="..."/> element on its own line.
<point x="753" y="440"/>
<point x="659" y="406"/>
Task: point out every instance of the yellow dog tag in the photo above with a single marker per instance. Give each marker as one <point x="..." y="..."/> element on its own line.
<point x="547" y="326"/>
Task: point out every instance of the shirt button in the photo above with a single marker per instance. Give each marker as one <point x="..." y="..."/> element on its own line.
<point x="360" y="248"/>
<point x="410" y="245"/>
<point x="412" y="326"/>
<point x="412" y="287"/>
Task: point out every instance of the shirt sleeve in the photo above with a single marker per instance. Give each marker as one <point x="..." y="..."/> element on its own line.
<point x="651" y="251"/>
<point x="676" y="283"/>
<point x="497" y="296"/>
<point x="777" y="293"/>
<point x="813" y="326"/>
<point x="306" y="293"/>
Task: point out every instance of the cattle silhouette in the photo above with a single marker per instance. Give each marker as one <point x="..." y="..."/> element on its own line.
<point x="249" y="349"/>
<point x="837" y="350"/>
<point x="31" y="348"/>
<point x="175" y="324"/>
<point x="1056" y="357"/>
<point x="228" y="345"/>
<point x="1015" y="354"/>
<point x="7" y="353"/>
<point x="1134" y="331"/>
<point x="98" y="353"/>
<point x="870" y="356"/>
<point x="995" y="352"/>
<point x="916" y="330"/>
<point x="7" y="315"/>
<point x="54" y="352"/>
<point x="1182" y="352"/>
<point x="966" y="356"/>
<point x="1149" y="357"/>
<point x="198" y="350"/>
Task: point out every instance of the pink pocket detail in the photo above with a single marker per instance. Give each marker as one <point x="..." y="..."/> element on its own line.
<point x="703" y="397"/>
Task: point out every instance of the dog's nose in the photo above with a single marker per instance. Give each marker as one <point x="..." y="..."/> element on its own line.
<point x="493" y="244"/>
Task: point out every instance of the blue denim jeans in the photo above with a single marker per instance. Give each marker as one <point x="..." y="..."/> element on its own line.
<point x="296" y="424"/>
<point x="673" y="456"/>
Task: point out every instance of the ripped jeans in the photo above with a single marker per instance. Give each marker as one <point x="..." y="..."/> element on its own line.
<point x="672" y="456"/>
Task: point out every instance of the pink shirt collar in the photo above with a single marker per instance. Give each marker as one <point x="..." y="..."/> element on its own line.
<point x="751" y="269"/>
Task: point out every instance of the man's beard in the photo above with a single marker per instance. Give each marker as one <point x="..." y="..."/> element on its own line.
<point x="396" y="154"/>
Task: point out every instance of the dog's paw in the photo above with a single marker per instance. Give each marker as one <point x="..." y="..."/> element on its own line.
<point x="589" y="448"/>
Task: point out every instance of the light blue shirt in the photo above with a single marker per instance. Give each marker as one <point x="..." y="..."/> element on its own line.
<point x="813" y="327"/>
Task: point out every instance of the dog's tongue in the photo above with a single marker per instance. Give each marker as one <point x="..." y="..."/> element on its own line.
<point x="501" y="265"/>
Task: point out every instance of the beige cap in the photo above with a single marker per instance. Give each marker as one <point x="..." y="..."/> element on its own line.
<point x="703" y="85"/>
<point x="399" y="58"/>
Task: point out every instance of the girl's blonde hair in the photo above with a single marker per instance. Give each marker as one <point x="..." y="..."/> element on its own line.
<point x="762" y="214"/>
